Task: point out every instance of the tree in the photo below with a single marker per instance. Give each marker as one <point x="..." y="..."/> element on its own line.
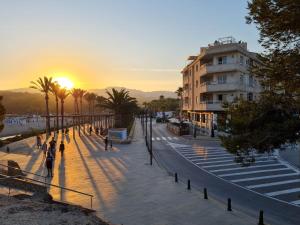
<point x="62" y="95"/>
<point x="81" y="94"/>
<point x="2" y="114"/>
<point x="91" y="98"/>
<point x="273" y="120"/>
<point x="122" y="104"/>
<point x="55" y="88"/>
<point x="44" y="86"/>
<point x="75" y="92"/>
<point x="179" y="93"/>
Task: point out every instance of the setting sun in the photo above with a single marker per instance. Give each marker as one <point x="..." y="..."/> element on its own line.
<point x="64" y="82"/>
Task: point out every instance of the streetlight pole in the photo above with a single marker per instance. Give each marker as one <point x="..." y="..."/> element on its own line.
<point x="151" y="152"/>
<point x="146" y="136"/>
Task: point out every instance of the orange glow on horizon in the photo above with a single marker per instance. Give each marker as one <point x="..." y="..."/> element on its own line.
<point x="64" y="82"/>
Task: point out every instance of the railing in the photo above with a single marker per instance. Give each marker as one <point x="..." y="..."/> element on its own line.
<point x="44" y="183"/>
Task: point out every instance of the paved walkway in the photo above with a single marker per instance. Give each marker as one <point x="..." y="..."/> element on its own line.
<point x="127" y="189"/>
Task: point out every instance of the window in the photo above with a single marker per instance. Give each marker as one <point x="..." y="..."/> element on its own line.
<point x="196" y="99"/>
<point x="203" y="118"/>
<point x="197" y="68"/>
<point x="251" y="81"/>
<point x="250" y="96"/>
<point x="241" y="60"/>
<point x="222" y="60"/>
<point x="222" y="79"/>
<point x="242" y="78"/>
<point x="196" y="83"/>
<point x="220" y="98"/>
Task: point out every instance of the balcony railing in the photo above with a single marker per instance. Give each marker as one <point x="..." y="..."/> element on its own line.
<point x="211" y="105"/>
<point x="215" y="68"/>
<point x="215" y="86"/>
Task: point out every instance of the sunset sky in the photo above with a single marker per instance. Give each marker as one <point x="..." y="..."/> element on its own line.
<point x="141" y="44"/>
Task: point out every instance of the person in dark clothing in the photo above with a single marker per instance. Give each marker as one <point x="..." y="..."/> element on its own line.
<point x="91" y="129"/>
<point x="49" y="164"/>
<point x="106" y="142"/>
<point x="53" y="147"/>
<point x="97" y="130"/>
<point x="62" y="148"/>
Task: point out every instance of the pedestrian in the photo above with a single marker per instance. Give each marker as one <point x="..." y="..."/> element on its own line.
<point x="62" y="148"/>
<point x="106" y="142"/>
<point x="44" y="148"/>
<point x="97" y="130"/>
<point x="49" y="164"/>
<point x="38" y="141"/>
<point x="91" y="129"/>
<point x="101" y="130"/>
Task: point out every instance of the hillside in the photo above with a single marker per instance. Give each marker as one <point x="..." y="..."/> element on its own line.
<point x="26" y="100"/>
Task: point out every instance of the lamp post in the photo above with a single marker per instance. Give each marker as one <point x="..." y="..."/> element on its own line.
<point x="151" y="152"/>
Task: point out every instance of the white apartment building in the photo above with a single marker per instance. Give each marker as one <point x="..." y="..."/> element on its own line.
<point x="220" y="73"/>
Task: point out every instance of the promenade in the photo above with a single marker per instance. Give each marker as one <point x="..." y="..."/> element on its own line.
<point x="126" y="189"/>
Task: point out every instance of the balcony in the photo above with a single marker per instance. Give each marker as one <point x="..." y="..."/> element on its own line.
<point x="218" y="68"/>
<point x="211" y="106"/>
<point x="215" y="87"/>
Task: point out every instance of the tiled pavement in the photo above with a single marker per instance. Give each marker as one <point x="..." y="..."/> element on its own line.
<point x="126" y="189"/>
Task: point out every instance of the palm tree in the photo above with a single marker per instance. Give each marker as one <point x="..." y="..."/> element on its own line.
<point x="121" y="104"/>
<point x="62" y="95"/>
<point x="91" y="98"/>
<point x="55" y="88"/>
<point x="99" y="101"/>
<point x="43" y="85"/>
<point x="81" y="94"/>
<point x="179" y="93"/>
<point x="75" y="92"/>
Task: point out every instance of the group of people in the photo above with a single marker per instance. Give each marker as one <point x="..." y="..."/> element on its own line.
<point x="50" y="153"/>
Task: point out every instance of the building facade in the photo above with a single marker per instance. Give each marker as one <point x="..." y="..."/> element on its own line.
<point x="219" y="74"/>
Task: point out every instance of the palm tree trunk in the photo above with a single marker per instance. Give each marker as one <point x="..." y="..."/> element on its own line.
<point x="47" y="114"/>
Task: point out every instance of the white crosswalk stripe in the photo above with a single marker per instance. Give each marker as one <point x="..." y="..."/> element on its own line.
<point x="234" y="164"/>
<point x="288" y="191"/>
<point x="244" y="168"/>
<point x="264" y="177"/>
<point x="255" y="176"/>
<point x="164" y="138"/>
<point x="273" y="183"/>
<point x="252" y="172"/>
<point x="297" y="202"/>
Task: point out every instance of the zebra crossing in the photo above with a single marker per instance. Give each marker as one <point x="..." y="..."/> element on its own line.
<point x="269" y="175"/>
<point x="164" y="138"/>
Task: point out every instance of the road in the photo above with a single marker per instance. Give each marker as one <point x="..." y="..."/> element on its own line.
<point x="269" y="184"/>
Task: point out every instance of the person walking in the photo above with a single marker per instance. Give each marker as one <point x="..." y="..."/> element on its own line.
<point x="52" y="147"/>
<point x="44" y="148"/>
<point x="91" y="129"/>
<point x="49" y="164"/>
<point x="106" y="142"/>
<point x="62" y="148"/>
<point x="38" y="141"/>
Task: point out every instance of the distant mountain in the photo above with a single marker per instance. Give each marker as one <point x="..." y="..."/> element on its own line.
<point x="141" y="96"/>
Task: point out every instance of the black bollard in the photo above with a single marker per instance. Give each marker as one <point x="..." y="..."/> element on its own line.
<point x="110" y="143"/>
<point x="176" y="177"/>
<point x="205" y="193"/>
<point x="189" y="185"/>
<point x="229" y="205"/>
<point x="7" y="149"/>
<point x="261" y="217"/>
